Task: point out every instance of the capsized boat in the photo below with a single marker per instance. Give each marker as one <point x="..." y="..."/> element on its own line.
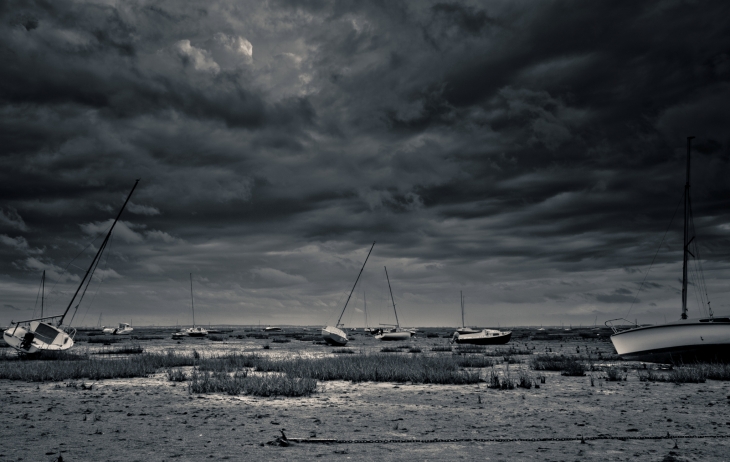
<point x="485" y="337"/>
<point x="395" y="333"/>
<point x="463" y="329"/>
<point x="49" y="333"/>
<point x="333" y="335"/>
<point x="195" y="331"/>
<point x="686" y="340"/>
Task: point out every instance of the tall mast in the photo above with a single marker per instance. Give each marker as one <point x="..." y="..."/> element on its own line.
<point x="397" y="324"/>
<point x="687" y="240"/>
<point x="192" y="302"/>
<point x="461" y="297"/>
<point x="365" y="302"/>
<point x="89" y="272"/>
<point x="353" y="287"/>
<point x="43" y="290"/>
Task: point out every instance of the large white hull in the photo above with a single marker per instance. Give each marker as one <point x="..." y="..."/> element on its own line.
<point x="681" y="341"/>
<point x="37" y="337"/>
<point x="334" y="336"/>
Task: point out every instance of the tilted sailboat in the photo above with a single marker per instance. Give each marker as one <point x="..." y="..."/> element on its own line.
<point x="48" y="333"/>
<point x="685" y="340"/>
<point x="396" y="333"/>
<point x="333" y="335"/>
<point x="463" y="329"/>
<point x="195" y="331"/>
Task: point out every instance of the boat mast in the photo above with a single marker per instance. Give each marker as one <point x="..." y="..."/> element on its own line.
<point x="461" y="297"/>
<point x="353" y="287"/>
<point x="43" y="290"/>
<point x="192" y="302"/>
<point x="397" y="324"/>
<point x="687" y="240"/>
<point x="89" y="272"/>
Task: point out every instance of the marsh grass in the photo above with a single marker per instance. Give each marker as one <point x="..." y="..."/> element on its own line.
<point x="470" y="349"/>
<point x="524" y="379"/>
<point x="508" y="352"/>
<point x="101" y="340"/>
<point x="442" y="348"/>
<point x="474" y="361"/>
<point x="216" y="338"/>
<point x="616" y="374"/>
<point x="344" y="351"/>
<point x="125" y="350"/>
<point x="511" y="360"/>
<point x="685" y="374"/>
<point x="414" y="349"/>
<point x="90" y="368"/>
<point x="389" y="350"/>
<point x="176" y="375"/>
<point x="374" y="368"/>
<point x="498" y="382"/>
<point x="567" y="365"/>
<point x="281" y="340"/>
<point x="242" y="383"/>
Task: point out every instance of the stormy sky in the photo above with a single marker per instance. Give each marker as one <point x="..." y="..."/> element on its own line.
<point x="529" y="154"/>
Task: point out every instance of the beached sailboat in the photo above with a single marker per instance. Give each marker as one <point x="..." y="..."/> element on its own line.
<point x="123" y="329"/>
<point x="395" y="333"/>
<point x="195" y="331"/>
<point x="484" y="337"/>
<point x="333" y="335"/>
<point x="49" y="333"/>
<point x="685" y="340"/>
<point x="463" y="329"/>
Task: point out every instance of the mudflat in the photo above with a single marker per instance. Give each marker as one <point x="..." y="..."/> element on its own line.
<point x="152" y="418"/>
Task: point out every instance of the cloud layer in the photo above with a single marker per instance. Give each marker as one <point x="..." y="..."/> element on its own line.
<point x="531" y="155"/>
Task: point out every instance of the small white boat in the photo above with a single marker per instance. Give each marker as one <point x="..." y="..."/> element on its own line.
<point x="196" y="331"/>
<point x="333" y="335"/>
<point x="49" y="333"/>
<point x="123" y="329"/>
<point x="396" y="333"/>
<point x="272" y="329"/>
<point x="685" y="340"/>
<point x="485" y="337"/>
<point x="178" y="335"/>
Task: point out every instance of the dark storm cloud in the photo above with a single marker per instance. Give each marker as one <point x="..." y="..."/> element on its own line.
<point x="531" y="154"/>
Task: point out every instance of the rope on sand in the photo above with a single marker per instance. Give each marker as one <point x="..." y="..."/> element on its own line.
<point x="283" y="440"/>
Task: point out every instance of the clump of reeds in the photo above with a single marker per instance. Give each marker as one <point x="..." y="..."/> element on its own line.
<point x="616" y="374"/>
<point x="281" y="340"/>
<point x="717" y="371"/>
<point x="176" y="375"/>
<point x="241" y="383"/>
<point x="567" y="365"/>
<point x="343" y="351"/>
<point x="389" y="350"/>
<point x="524" y="380"/>
<point x="474" y="361"/>
<point x="216" y="338"/>
<point x="500" y="383"/>
<point x="414" y="349"/>
<point x="228" y="363"/>
<point x="512" y="351"/>
<point x="686" y="374"/>
<point x="511" y="360"/>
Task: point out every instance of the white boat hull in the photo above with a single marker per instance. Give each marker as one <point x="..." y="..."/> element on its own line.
<point x="681" y="341"/>
<point x="196" y="332"/>
<point x="394" y="336"/>
<point x="334" y="336"/>
<point x="38" y="337"/>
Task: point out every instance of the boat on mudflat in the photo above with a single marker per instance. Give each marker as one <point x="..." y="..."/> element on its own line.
<point x="687" y="340"/>
<point x="394" y="334"/>
<point x="333" y="335"/>
<point x="485" y="337"/>
<point x="49" y="333"/>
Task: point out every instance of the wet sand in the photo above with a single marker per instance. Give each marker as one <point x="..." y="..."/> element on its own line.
<point x="154" y="419"/>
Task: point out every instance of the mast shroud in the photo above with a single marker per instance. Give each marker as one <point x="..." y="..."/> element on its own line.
<point x="397" y="323"/>
<point x="89" y="272"/>
<point x="353" y="287"/>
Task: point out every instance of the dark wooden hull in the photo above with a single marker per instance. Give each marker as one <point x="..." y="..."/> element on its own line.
<point x="498" y="340"/>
